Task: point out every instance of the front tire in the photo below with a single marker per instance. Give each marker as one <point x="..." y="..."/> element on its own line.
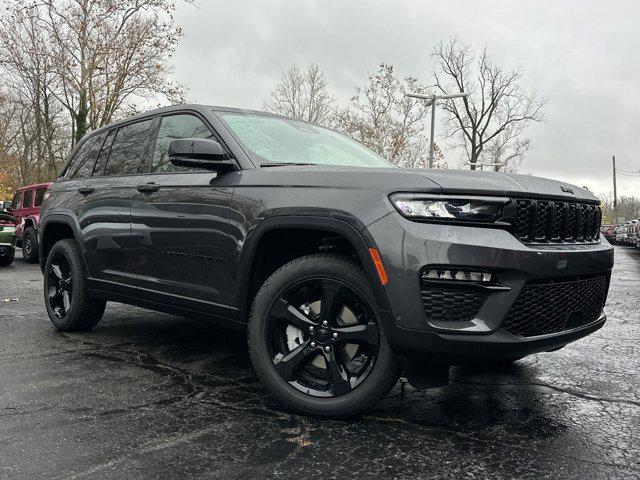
<point x="316" y="339"/>
<point x="30" y="246"/>
<point x="65" y="292"/>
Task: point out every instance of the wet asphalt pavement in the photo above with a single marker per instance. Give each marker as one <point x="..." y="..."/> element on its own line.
<point x="148" y="395"/>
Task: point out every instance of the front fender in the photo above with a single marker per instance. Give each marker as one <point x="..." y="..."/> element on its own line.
<point x="360" y="240"/>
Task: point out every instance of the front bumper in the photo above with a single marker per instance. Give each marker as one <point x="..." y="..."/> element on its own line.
<point x="407" y="247"/>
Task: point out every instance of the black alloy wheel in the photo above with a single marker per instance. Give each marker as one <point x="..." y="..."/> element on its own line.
<point x="324" y="338"/>
<point x="316" y="339"/>
<point x="30" y="252"/>
<point x="28" y="246"/>
<point x="60" y="283"/>
<point x="69" y="306"/>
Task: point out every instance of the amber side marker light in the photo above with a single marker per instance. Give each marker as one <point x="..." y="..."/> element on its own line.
<point x="375" y="256"/>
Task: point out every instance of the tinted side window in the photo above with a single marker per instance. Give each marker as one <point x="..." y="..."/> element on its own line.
<point x="39" y="196"/>
<point x="128" y="148"/>
<point x="82" y="164"/>
<point x="79" y="159"/>
<point x="171" y="128"/>
<point x="98" y="170"/>
<point x="26" y="202"/>
<point x="17" y="201"/>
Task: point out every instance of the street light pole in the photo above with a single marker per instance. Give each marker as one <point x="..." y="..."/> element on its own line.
<point x="431" y="101"/>
<point x="433" y="131"/>
<point x="615" y="193"/>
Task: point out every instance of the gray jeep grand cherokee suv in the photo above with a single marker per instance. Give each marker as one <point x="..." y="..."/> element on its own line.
<point x="344" y="270"/>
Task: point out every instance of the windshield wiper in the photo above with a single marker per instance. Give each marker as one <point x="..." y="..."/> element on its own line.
<point x="284" y="164"/>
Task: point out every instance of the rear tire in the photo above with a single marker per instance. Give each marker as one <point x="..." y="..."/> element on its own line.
<point x="336" y="378"/>
<point x="65" y="291"/>
<point x="30" y="246"/>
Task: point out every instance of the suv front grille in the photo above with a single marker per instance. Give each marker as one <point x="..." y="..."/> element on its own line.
<point x="547" y="221"/>
<point x="449" y="304"/>
<point x="554" y="306"/>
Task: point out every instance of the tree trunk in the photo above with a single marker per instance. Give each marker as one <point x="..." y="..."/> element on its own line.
<point x="81" y="123"/>
<point x="473" y="160"/>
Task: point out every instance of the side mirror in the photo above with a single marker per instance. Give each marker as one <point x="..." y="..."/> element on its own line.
<point x="199" y="153"/>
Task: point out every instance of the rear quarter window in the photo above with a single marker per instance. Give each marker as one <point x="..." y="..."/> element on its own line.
<point x="81" y="165"/>
<point x="37" y="202"/>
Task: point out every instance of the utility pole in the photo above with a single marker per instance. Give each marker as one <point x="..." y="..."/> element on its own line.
<point x="615" y="193"/>
<point x="431" y="101"/>
<point x="433" y="131"/>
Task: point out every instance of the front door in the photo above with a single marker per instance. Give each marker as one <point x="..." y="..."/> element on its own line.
<point x="180" y="221"/>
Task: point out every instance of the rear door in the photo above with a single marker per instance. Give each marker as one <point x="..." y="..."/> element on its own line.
<point x="105" y="216"/>
<point x="27" y="203"/>
<point x="180" y="220"/>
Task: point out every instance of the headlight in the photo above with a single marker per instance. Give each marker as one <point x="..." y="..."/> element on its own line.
<point x="449" y="207"/>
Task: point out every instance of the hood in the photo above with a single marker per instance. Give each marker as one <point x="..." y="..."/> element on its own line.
<point x="390" y="180"/>
<point x="504" y="184"/>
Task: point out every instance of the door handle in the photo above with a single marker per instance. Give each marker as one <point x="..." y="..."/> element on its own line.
<point x="85" y="190"/>
<point x="147" y="187"/>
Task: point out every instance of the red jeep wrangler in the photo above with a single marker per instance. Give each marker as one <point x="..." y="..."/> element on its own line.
<point x="26" y="209"/>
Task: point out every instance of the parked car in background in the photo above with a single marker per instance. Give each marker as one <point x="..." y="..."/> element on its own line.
<point x="633" y="236"/>
<point x="629" y="238"/>
<point x="607" y="232"/>
<point x="26" y="210"/>
<point x="620" y="234"/>
<point x="7" y="239"/>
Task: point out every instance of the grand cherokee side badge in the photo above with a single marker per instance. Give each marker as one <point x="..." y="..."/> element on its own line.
<point x="567" y="190"/>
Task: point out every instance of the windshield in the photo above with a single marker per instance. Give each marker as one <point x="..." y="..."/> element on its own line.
<point x="283" y="140"/>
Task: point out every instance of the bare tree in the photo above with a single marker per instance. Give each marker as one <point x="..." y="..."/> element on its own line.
<point x="385" y="120"/>
<point x="303" y="95"/>
<point x="491" y="120"/>
<point x="101" y="55"/>
<point x="34" y="129"/>
<point x="69" y="66"/>
<point x="505" y="153"/>
<point x="9" y="166"/>
<point x="628" y="208"/>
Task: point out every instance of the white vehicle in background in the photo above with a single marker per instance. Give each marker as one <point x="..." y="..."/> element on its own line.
<point x="632" y="232"/>
<point x="628" y="233"/>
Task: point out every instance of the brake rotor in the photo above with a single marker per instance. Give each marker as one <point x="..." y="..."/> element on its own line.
<point x="346" y="318"/>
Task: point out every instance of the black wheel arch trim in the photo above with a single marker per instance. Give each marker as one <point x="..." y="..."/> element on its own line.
<point x="59" y="218"/>
<point x="360" y="239"/>
<point x="30" y="219"/>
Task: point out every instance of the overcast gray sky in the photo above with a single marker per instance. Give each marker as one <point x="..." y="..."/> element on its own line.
<point x="581" y="55"/>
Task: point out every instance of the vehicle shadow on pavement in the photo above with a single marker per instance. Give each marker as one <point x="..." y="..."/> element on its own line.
<point x="203" y="360"/>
